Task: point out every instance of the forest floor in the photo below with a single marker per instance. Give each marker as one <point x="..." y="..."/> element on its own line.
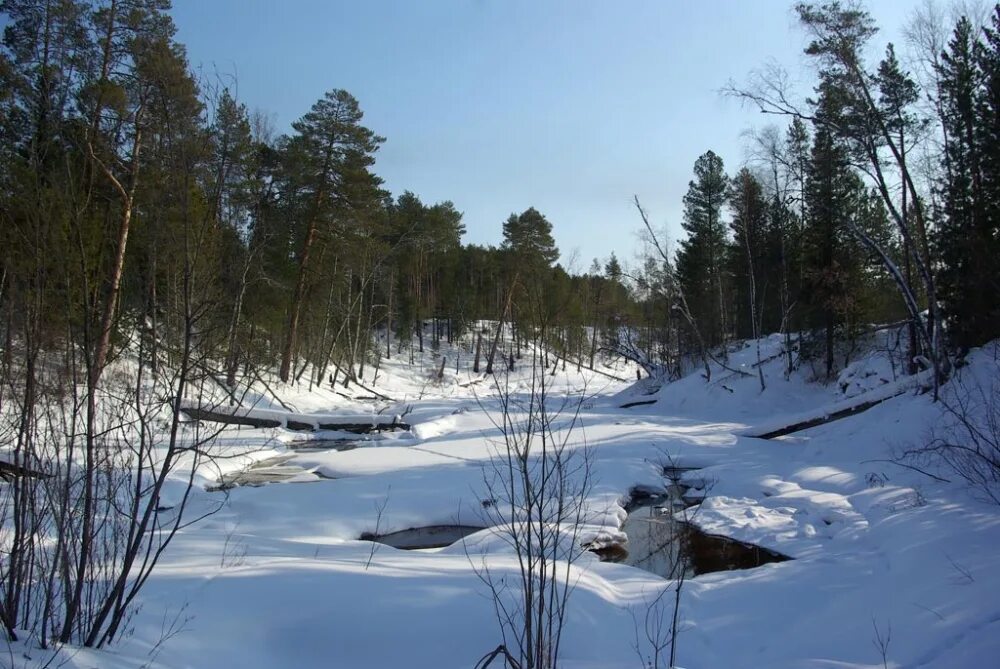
<point x="277" y="576"/>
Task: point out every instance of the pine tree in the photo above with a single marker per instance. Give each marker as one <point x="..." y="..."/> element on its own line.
<point x="427" y="240"/>
<point x="987" y="57"/>
<point x="232" y="162"/>
<point x="232" y="193"/>
<point x="332" y="152"/>
<point x="701" y="260"/>
<point x="781" y="268"/>
<point x="613" y="268"/>
<point x="788" y="220"/>
<point x="985" y="315"/>
<point x="529" y="250"/>
<point x="747" y="253"/>
<point x="868" y="128"/>
<point x="897" y="95"/>
<point x="830" y="194"/>
<point x="528" y="236"/>
<point x="966" y="246"/>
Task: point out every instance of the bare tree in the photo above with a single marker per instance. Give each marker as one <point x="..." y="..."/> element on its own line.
<point x="679" y="301"/>
<point x="881" y="640"/>
<point x="131" y="524"/>
<point x="771" y="153"/>
<point x="97" y="447"/>
<point x="537" y="482"/>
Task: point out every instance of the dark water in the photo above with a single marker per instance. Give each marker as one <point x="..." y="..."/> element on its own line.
<point x="416" y="538"/>
<point x="661" y="541"/>
<point x="654" y="540"/>
<point x="318" y="445"/>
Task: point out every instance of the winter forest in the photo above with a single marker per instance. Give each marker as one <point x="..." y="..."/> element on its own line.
<point x="257" y="410"/>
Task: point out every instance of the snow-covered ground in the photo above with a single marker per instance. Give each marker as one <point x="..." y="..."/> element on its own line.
<point x="278" y="577"/>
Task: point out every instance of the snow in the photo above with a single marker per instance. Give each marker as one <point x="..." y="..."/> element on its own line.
<point x="877" y="393"/>
<point x="278" y="577"/>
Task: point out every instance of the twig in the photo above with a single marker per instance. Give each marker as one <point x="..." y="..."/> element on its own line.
<point x="911" y="467"/>
<point x="966" y="574"/>
<point x="379" y="510"/>
<point x="881" y="642"/>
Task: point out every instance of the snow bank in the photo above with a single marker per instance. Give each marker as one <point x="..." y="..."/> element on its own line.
<point x="277" y="577"/>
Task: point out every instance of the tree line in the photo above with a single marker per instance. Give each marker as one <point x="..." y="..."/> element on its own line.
<point x="870" y="205"/>
<point x="115" y="153"/>
<point x="158" y="240"/>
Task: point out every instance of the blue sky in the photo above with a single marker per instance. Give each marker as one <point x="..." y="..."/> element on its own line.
<point x="499" y="105"/>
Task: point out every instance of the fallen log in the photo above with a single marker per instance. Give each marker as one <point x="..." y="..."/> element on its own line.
<point x="297" y="422"/>
<point x="629" y="405"/>
<point x="843" y="409"/>
<point x="364" y="428"/>
<point x="197" y="413"/>
<point x="820" y="420"/>
<point x="9" y="471"/>
<point x="603" y="373"/>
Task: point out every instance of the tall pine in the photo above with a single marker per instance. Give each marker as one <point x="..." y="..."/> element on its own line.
<point x="967" y="232"/>
<point x="830" y="189"/>
<point x="748" y="252"/>
<point x="701" y="260"/>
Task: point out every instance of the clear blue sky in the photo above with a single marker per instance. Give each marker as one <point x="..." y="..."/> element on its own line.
<point x="498" y="105"/>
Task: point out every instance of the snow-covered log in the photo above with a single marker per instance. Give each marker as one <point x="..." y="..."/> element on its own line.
<point x="831" y="412"/>
<point x="253" y="417"/>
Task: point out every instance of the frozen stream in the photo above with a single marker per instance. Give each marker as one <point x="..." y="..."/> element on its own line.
<point x="661" y="541"/>
<point x="281" y="469"/>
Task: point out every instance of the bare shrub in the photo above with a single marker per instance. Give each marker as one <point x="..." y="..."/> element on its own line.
<point x="537" y="482"/>
<point x="101" y="477"/>
<point x="967" y="438"/>
<point x="658" y="625"/>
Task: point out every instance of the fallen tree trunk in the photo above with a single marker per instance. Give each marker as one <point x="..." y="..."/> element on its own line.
<point x="629" y="405"/>
<point x="821" y="420"/>
<point x="298" y="422"/>
<point x="843" y="409"/>
<point x="8" y="471"/>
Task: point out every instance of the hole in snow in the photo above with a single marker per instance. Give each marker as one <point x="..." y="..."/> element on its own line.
<point x="418" y="538"/>
<point x="660" y="540"/>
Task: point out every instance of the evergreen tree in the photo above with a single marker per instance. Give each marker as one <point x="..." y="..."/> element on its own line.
<point x="966" y="242"/>
<point x="528" y="236"/>
<point x="613" y="269"/>
<point x="781" y="268"/>
<point x="232" y="163"/>
<point x="831" y="192"/>
<point x="897" y="95"/>
<point x="332" y="152"/>
<point x="427" y="239"/>
<point x="701" y="260"/>
<point x="529" y="250"/>
<point x="987" y="56"/>
<point x="747" y="254"/>
<point x="232" y="191"/>
<point x="869" y="108"/>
